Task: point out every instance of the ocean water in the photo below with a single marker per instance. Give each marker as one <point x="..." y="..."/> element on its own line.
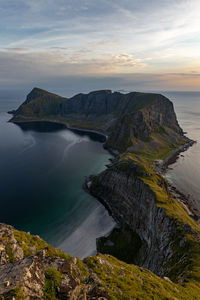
<point x="185" y="172"/>
<point x="42" y="169"/>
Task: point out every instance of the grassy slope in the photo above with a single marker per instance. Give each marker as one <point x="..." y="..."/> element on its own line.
<point x="185" y="271"/>
<point x="122" y="281"/>
<point x="139" y="282"/>
<point x="45" y="104"/>
<point x="184" y="266"/>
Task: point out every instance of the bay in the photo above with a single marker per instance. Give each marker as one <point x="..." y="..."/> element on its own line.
<point x="42" y="169"/>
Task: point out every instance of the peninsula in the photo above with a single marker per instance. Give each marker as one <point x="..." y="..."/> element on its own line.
<point x="155" y="253"/>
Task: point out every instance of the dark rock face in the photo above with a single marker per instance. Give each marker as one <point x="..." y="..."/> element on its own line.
<point x="99" y="102"/>
<point x="158" y="109"/>
<point x="38" y="104"/>
<point x="136" y="124"/>
<point x="132" y="202"/>
<point x="142" y="123"/>
<point x="24" y="277"/>
<point x="34" y="94"/>
<point x="124" y="117"/>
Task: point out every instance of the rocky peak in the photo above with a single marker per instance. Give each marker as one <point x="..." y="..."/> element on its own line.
<point x="100" y="92"/>
<point x="38" y="93"/>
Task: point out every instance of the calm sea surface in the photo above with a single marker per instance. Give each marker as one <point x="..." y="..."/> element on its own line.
<point x="185" y="172"/>
<point x="42" y="169"/>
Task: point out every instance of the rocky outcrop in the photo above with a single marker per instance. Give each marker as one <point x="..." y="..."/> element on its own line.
<point x="38" y="271"/>
<point x="125" y="118"/>
<point x="43" y="273"/>
<point x="38" y="103"/>
<point x="131" y="201"/>
<point x="141" y="128"/>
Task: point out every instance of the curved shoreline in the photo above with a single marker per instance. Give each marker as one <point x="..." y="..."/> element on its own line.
<point x="100" y="133"/>
<point x="61" y="123"/>
<point x="161" y="168"/>
<point x="163" y="165"/>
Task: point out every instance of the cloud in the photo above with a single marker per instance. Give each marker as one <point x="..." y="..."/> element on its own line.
<point x="68" y="75"/>
<point x="104" y="38"/>
<point x="64" y="63"/>
<point x="16" y="49"/>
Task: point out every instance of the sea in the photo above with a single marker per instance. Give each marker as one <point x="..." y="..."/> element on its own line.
<point x="184" y="174"/>
<point x="43" y="167"/>
<point x="42" y="170"/>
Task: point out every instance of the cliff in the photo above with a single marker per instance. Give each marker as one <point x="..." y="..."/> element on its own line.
<point x="129" y="120"/>
<point x="31" y="269"/>
<point x="141" y="199"/>
<point x="38" y="103"/>
<point x="155" y="229"/>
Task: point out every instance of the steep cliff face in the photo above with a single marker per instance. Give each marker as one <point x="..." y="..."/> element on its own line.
<point x="132" y="202"/>
<point x="140" y="198"/>
<point x="129" y="120"/>
<point x="144" y="129"/>
<point x="141" y="125"/>
<point x="31" y="269"/>
<point x="38" y="104"/>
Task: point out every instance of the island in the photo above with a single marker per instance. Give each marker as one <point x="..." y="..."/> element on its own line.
<point x="154" y="253"/>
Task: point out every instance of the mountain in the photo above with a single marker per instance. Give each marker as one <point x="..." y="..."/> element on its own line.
<point x="39" y="103"/>
<point x="32" y="269"/>
<point x="129" y="120"/>
<point x="154" y="253"/>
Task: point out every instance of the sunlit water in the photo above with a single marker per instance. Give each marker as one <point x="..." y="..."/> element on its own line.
<point x="185" y="172"/>
<point x="42" y="169"/>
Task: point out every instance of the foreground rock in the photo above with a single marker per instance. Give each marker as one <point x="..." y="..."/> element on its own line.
<point x="31" y="269"/>
<point x="143" y="131"/>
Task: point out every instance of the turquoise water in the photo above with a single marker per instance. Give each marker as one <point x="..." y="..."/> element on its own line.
<point x="42" y="169"/>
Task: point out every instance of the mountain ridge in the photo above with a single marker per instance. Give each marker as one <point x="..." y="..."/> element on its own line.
<point x="143" y="132"/>
<point x="123" y="117"/>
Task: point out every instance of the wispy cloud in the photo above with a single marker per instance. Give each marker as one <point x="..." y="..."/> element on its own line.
<point x="66" y="62"/>
<point x="76" y="37"/>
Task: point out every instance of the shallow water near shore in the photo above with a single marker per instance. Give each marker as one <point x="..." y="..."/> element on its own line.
<point x="42" y="169"/>
<point x="184" y="174"/>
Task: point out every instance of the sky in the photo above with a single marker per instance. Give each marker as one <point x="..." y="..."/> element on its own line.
<point x="71" y="46"/>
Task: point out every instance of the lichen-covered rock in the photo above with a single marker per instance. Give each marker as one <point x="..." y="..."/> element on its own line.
<point x="140" y="129"/>
<point x="50" y="274"/>
<point x="32" y="275"/>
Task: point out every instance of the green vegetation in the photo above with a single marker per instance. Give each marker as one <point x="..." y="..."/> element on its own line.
<point x="9" y="253"/>
<point x="40" y="103"/>
<point x="141" y="139"/>
<point x="40" y="107"/>
<point x="82" y="269"/>
<point x="26" y="240"/>
<point x="15" y="293"/>
<point x="184" y="265"/>
<point x="124" y="282"/>
<point x="53" y="279"/>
